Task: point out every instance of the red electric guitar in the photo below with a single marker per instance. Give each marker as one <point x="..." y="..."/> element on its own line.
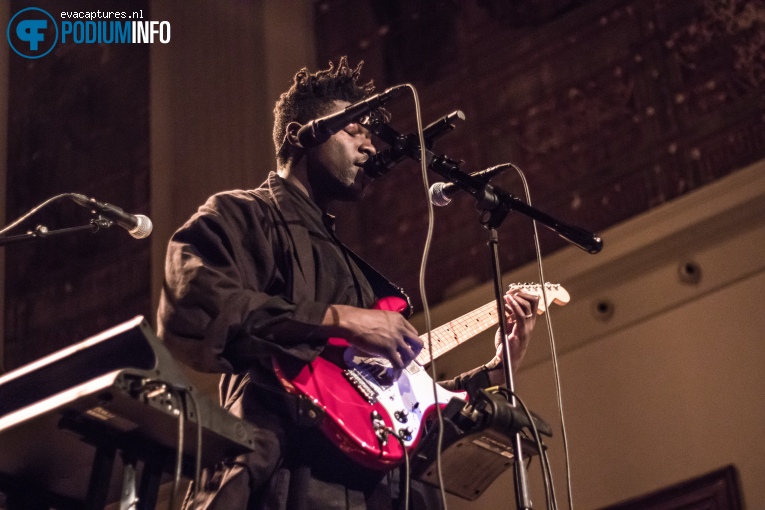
<point x="362" y="403"/>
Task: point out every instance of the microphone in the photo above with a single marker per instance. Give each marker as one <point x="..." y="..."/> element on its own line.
<point x="441" y="193"/>
<point x="319" y="130"/>
<point x="138" y="225"/>
<point x="381" y="163"/>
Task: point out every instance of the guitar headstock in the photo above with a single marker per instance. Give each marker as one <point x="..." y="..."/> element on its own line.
<point x="554" y="291"/>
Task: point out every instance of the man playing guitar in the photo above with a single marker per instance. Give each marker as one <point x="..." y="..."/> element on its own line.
<point x="257" y="279"/>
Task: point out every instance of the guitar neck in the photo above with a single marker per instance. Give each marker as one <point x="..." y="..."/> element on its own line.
<point x="453" y="333"/>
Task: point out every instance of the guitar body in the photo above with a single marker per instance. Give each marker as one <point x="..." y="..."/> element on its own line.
<point x="362" y="403"/>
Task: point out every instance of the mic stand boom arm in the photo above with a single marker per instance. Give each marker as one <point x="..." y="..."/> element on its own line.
<point x="488" y="198"/>
<point x="42" y="232"/>
<point x="499" y="203"/>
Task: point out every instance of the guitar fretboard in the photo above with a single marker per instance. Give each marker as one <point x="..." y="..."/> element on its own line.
<point x="455" y="332"/>
<point x="463" y="328"/>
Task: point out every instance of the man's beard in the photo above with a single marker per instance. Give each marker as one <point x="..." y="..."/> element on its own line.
<point x="346" y="187"/>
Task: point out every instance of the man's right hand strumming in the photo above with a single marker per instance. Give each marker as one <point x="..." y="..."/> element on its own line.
<point x="376" y="332"/>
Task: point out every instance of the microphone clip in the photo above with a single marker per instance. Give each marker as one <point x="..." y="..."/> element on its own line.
<point x="402" y="145"/>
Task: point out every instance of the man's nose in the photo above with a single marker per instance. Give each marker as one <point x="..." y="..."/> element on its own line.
<point x="367" y="147"/>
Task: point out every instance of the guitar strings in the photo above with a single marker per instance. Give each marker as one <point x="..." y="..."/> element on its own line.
<point x="446" y="337"/>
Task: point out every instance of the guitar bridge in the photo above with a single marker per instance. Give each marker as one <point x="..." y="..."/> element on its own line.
<point x="362" y="386"/>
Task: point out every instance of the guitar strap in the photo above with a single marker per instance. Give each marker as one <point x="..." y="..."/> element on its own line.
<point x="380" y="284"/>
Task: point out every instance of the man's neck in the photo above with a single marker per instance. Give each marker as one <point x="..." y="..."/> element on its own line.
<point x="297" y="175"/>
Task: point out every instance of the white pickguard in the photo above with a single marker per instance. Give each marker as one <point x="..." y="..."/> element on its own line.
<point x="406" y="399"/>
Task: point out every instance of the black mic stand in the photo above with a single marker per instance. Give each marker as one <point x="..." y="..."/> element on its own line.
<point x="496" y="203"/>
<point x="42" y="232"/>
<point x="497" y="209"/>
<point x="496" y="217"/>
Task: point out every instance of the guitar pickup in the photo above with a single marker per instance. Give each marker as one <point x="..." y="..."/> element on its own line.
<point x="362" y="385"/>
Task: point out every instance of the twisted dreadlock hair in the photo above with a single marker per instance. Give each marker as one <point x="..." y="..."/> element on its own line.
<point x="310" y="96"/>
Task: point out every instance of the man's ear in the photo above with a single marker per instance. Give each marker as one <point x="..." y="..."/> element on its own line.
<point x="290" y="135"/>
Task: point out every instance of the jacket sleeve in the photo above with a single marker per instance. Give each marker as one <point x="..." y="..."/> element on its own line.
<point x="225" y="300"/>
<point x="471" y="381"/>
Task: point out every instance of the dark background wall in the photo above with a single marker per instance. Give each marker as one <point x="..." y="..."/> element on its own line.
<point x="611" y="108"/>
<point x="78" y="121"/>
